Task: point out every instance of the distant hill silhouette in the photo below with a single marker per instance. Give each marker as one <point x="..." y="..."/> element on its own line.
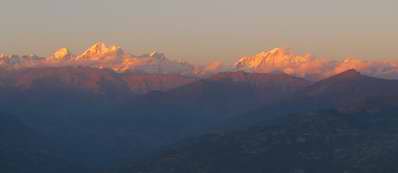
<point x="98" y="118"/>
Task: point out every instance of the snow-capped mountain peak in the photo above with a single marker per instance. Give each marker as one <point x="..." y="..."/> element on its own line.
<point x="267" y="61"/>
<point x="99" y="51"/>
<point x="60" y="55"/>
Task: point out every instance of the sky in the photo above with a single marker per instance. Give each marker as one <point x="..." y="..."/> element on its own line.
<point x="205" y="30"/>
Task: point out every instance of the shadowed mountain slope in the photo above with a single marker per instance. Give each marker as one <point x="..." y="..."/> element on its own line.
<point x="81" y="107"/>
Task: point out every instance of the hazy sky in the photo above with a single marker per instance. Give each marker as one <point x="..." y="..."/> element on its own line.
<point x="201" y="30"/>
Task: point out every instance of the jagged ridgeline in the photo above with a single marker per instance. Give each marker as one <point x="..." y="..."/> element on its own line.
<point x="113" y="57"/>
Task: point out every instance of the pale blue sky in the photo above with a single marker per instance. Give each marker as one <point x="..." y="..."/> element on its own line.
<point x="200" y="31"/>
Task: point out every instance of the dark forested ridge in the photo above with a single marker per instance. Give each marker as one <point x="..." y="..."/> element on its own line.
<point x="325" y="141"/>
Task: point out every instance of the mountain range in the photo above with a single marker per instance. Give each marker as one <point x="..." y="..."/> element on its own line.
<point x="79" y="114"/>
<point x="310" y="67"/>
<point x="100" y="55"/>
<point x="112" y="57"/>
